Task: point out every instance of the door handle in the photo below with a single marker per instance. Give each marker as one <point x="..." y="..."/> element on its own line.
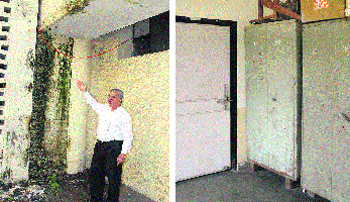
<point x="226" y="100"/>
<point x="345" y="117"/>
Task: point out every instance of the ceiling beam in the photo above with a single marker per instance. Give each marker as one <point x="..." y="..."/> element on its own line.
<point x="278" y="8"/>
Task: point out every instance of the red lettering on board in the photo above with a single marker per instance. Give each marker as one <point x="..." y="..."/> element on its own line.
<point x="319" y="4"/>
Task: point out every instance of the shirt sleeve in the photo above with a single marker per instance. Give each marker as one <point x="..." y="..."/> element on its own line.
<point x="127" y="136"/>
<point x="97" y="107"/>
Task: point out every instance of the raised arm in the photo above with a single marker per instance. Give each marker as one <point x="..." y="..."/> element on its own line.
<point x="97" y="107"/>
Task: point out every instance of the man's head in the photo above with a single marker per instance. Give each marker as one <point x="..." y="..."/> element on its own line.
<point x="115" y="98"/>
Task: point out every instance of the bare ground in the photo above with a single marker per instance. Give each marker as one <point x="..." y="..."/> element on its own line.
<point x="60" y="188"/>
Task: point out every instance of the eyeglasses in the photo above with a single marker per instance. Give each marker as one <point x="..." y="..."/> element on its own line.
<point x="109" y="96"/>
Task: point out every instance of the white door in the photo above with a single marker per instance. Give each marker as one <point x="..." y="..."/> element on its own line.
<point x="202" y="82"/>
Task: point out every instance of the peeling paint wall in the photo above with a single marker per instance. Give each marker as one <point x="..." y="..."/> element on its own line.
<point x="242" y="12"/>
<point x="14" y="139"/>
<point x="145" y="82"/>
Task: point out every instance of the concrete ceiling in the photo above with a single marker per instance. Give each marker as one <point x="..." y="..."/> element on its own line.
<point x="103" y="16"/>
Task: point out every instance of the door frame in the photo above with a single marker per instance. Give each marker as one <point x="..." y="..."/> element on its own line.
<point x="233" y="78"/>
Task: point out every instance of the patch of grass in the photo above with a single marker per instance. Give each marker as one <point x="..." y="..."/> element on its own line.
<point x="54" y="187"/>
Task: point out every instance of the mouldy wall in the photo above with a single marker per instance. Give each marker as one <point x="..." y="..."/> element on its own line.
<point x="145" y="82"/>
<point x="49" y="119"/>
<point x="54" y="10"/>
<point x="51" y="11"/>
<point x="56" y="123"/>
<point x="14" y="138"/>
<point x="242" y="12"/>
<point x="65" y="132"/>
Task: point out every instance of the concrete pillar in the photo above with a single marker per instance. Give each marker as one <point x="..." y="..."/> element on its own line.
<point x="77" y="130"/>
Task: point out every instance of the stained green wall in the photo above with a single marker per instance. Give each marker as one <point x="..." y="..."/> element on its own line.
<point x="49" y="120"/>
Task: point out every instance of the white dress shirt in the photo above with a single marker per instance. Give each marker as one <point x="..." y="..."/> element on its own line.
<point x="113" y="125"/>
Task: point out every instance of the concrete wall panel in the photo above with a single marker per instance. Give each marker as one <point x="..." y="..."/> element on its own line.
<point x="21" y="40"/>
<point x="145" y="82"/>
<point x="79" y="152"/>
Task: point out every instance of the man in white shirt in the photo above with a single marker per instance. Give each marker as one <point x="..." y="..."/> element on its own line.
<point x="114" y="137"/>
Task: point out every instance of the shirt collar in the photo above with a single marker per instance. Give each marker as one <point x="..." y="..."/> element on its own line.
<point x="110" y="108"/>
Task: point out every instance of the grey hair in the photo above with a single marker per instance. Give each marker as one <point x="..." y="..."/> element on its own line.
<point x="120" y="92"/>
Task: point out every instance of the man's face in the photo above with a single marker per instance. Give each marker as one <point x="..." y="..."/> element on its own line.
<point x="113" y="100"/>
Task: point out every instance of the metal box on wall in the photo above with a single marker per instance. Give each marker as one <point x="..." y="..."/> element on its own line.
<point x="326" y="102"/>
<point x="273" y="68"/>
<point x="316" y="10"/>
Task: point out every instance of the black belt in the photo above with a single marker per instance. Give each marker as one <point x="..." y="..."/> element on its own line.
<point x="101" y="142"/>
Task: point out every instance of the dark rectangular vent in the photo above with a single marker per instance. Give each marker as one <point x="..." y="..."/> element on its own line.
<point x="3" y="37"/>
<point x="5" y="28"/>
<point x="157" y="39"/>
<point x="2" y="85"/>
<point x="159" y="31"/>
<point x="3" y="66"/>
<point x="141" y="45"/>
<point x="4" y="19"/>
<point x="5" y="47"/>
<point x="2" y="122"/>
<point x="1" y="112"/>
<point x="2" y="103"/>
<point x="2" y="75"/>
<point x="2" y="56"/>
<point x="7" y="1"/>
<point x="7" y="9"/>
<point x="1" y="93"/>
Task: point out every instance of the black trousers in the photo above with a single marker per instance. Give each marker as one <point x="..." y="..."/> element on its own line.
<point x="104" y="162"/>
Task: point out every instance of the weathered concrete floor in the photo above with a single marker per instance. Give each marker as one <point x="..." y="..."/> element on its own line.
<point x="245" y="186"/>
<point x="128" y="195"/>
<point x="69" y="188"/>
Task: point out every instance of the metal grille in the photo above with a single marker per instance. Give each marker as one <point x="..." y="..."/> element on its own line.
<point x="5" y="29"/>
